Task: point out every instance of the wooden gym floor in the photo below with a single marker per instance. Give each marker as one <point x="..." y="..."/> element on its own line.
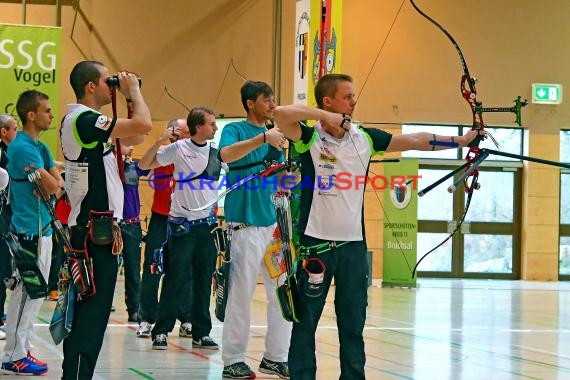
<point x="444" y="329"/>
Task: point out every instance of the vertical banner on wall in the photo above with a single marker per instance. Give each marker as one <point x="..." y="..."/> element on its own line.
<point x="301" y="77"/>
<point x="311" y="36"/>
<point x="30" y="60"/>
<point x="401" y="223"/>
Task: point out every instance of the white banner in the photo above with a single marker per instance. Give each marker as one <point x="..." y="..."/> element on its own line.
<point x="302" y="69"/>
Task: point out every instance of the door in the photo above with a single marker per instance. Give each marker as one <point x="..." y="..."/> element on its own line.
<point x="487" y="244"/>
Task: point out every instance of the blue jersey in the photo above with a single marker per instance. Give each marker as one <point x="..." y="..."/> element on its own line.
<point x="30" y="214"/>
<point x="252" y="202"/>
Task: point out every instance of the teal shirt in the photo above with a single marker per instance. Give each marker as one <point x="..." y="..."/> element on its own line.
<point x="25" y="152"/>
<point x="252" y="202"/>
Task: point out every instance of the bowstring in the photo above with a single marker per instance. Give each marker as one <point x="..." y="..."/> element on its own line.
<point x="380" y="50"/>
<point x="376" y="193"/>
<point x="231" y="65"/>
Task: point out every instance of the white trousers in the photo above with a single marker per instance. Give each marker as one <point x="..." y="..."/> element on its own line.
<point x="247" y="249"/>
<point x="22" y="310"/>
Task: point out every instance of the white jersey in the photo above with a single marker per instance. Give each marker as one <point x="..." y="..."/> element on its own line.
<point x="196" y="173"/>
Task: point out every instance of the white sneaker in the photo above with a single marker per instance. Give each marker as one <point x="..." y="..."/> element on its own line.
<point x="144" y="329"/>
<point x="2" y="335"/>
<point x="185" y="330"/>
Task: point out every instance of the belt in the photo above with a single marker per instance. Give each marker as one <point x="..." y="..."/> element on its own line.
<point x="236" y="227"/>
<point x="45" y="229"/>
<point x="319" y="248"/>
<point x="207" y="220"/>
<point x="136" y="219"/>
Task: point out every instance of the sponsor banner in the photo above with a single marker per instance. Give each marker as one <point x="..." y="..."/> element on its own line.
<point x="308" y="45"/>
<point x="30" y="60"/>
<point x="400" y="224"/>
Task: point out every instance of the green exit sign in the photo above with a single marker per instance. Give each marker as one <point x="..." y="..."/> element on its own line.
<point x="543" y="93"/>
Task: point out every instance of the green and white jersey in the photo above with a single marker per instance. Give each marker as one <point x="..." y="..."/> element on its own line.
<point x="332" y="188"/>
<point x="92" y="177"/>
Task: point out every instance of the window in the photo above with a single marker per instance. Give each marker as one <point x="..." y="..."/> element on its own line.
<point x="486" y="246"/>
<point x="564" y="232"/>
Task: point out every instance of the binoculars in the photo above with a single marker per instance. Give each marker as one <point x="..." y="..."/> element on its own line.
<point x="113" y="80"/>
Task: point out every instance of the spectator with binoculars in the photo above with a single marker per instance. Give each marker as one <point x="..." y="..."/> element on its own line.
<point x="94" y="185"/>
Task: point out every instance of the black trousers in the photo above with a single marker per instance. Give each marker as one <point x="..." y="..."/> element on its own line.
<point x="156" y="235"/>
<point x="81" y="348"/>
<point x="132" y="238"/>
<point x="190" y="259"/>
<point x="349" y="266"/>
<point x="5" y="258"/>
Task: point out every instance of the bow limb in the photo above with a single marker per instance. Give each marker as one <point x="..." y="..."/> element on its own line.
<point x="175" y="99"/>
<point x="467" y="86"/>
<point x="231" y="65"/>
<point x="457" y="227"/>
<point x="450" y="37"/>
<point x="469" y="93"/>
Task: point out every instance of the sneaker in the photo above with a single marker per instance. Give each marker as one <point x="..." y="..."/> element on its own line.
<point x="36" y="360"/>
<point x="159" y="342"/>
<point x="144" y="329"/>
<point x="53" y="295"/>
<point x="206" y="343"/>
<point x="185" y="330"/>
<point x="2" y="335"/>
<point x="238" y="371"/>
<point x="23" y="366"/>
<point x="134" y="317"/>
<point x="280" y="369"/>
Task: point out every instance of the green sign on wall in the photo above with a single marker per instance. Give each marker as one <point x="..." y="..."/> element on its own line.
<point x="30" y="60"/>
<point x="543" y="93"/>
<point x="400" y="223"/>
